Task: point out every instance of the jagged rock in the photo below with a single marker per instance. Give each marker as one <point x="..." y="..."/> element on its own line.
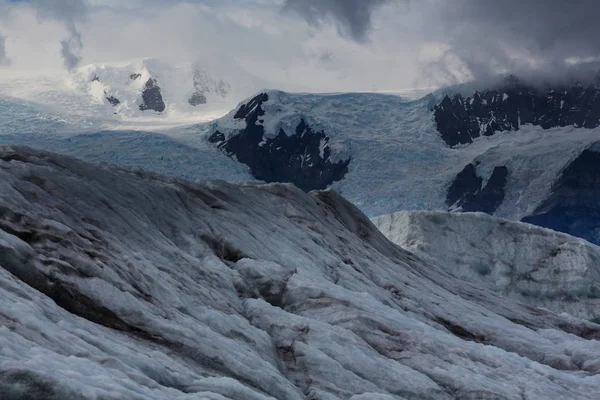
<point x="461" y="120"/>
<point x="467" y="192"/>
<point x="112" y="99"/>
<point x="302" y="158"/>
<point x="152" y="97"/>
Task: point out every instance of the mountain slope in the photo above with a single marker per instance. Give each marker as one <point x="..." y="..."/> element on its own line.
<point x="384" y="153"/>
<point x="124" y="284"/>
<point x="533" y="265"/>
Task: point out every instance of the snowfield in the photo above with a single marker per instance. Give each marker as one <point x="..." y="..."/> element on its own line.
<point x="536" y="266"/>
<point x="118" y="283"/>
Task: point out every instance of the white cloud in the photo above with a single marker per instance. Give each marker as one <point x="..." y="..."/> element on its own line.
<point x="278" y="47"/>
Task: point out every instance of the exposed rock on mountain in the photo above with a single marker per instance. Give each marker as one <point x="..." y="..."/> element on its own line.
<point x="468" y="193"/>
<point x="152" y="97"/>
<point x="205" y="84"/>
<point x="124" y="284"/>
<point x="506" y="108"/>
<point x="112" y="99"/>
<point x="303" y="157"/>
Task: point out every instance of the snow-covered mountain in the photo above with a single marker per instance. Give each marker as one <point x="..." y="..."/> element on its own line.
<point x="514" y="103"/>
<point x="151" y="85"/>
<point x="533" y="265"/>
<point x="120" y="283"/>
<point x="383" y="152"/>
<point x="147" y="92"/>
<point x="387" y="153"/>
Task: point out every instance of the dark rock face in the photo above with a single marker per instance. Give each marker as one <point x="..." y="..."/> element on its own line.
<point x="134" y="77"/>
<point x="112" y="99"/>
<point x="197" y="99"/>
<point x="468" y="193"/>
<point x="574" y="206"/>
<point x="303" y="158"/>
<point x="152" y="98"/>
<point x="460" y="120"/>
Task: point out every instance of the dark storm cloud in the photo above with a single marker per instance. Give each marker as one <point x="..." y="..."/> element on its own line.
<point x="488" y="35"/>
<point x="353" y="17"/>
<point x="68" y="12"/>
<point x="533" y="37"/>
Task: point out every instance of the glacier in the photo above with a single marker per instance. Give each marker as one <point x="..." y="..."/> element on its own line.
<point x="397" y="159"/>
<point x="119" y="283"/>
<point x="533" y="265"/>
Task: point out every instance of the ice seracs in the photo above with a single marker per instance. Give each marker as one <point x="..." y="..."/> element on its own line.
<point x="119" y="283"/>
<point x="534" y="265"/>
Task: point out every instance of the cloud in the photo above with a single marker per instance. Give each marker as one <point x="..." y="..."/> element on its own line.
<point x="4" y="60"/>
<point x="71" y="50"/>
<point x="526" y="36"/>
<point x="476" y="38"/>
<point x="313" y="45"/>
<point x="353" y="17"/>
<point x="69" y="13"/>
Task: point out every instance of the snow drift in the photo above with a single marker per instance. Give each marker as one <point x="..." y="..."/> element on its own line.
<point x="119" y="283"/>
<point x="534" y="265"/>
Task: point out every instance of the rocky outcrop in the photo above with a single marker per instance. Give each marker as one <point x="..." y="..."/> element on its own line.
<point x="462" y="119"/>
<point x="467" y="192"/>
<point x="302" y="157"/>
<point x="112" y="99"/>
<point x="151" y="97"/>
<point x="574" y="205"/>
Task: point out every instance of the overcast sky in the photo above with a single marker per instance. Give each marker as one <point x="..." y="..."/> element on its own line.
<point x="312" y="45"/>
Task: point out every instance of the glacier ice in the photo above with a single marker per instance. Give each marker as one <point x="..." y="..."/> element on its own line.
<point x="118" y="283"/>
<point x="534" y="265"/>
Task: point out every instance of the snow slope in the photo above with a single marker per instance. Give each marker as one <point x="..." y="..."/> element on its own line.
<point x="533" y="265"/>
<point x="124" y="284"/>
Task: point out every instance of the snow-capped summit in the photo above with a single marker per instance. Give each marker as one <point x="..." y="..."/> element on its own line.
<point x="139" y="94"/>
<point x="153" y="85"/>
